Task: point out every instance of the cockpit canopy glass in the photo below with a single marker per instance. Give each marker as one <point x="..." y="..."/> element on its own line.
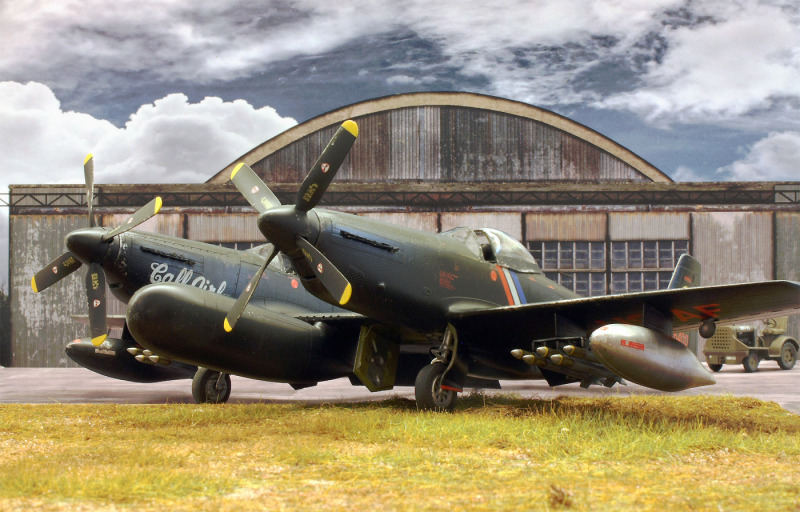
<point x="509" y="253"/>
<point x="497" y="247"/>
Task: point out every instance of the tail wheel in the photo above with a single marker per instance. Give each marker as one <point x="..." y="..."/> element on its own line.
<point x="788" y="356"/>
<point x="715" y="367"/>
<point x="429" y="392"/>
<point x="207" y="388"/>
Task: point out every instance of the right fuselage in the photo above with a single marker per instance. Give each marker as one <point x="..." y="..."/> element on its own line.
<point x="413" y="279"/>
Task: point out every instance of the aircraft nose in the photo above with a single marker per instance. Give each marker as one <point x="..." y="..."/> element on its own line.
<point x="87" y="244"/>
<point x="282" y="225"/>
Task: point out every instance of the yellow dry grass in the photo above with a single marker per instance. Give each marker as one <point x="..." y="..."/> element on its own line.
<point x="494" y="453"/>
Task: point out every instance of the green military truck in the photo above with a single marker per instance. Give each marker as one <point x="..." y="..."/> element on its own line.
<point x="739" y="344"/>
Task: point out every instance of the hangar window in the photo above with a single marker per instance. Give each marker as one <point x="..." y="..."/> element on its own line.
<point x="578" y="266"/>
<point x="643" y="265"/>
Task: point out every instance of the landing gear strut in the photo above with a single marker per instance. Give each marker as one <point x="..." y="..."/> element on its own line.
<point x="211" y="387"/>
<point x="431" y="389"/>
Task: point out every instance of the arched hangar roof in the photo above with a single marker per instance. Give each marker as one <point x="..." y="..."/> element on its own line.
<point x="450" y="137"/>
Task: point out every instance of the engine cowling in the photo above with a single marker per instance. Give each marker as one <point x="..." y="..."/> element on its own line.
<point x="181" y="322"/>
<point x="648" y="357"/>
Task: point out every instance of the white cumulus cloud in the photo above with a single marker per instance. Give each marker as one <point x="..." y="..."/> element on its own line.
<point x="745" y="61"/>
<point x="170" y="140"/>
<point x="774" y="158"/>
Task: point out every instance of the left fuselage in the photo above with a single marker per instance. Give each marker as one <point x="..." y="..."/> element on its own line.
<point x="136" y="259"/>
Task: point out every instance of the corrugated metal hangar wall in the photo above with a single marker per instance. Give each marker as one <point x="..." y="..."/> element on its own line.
<point x="598" y="218"/>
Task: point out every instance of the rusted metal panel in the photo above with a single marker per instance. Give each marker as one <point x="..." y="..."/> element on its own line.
<point x="227" y="227"/>
<point x="454" y="144"/>
<point x="787" y="256"/>
<point x="648" y="226"/>
<point x="40" y="322"/>
<point x="508" y="222"/>
<point x="733" y="247"/>
<point x="164" y="223"/>
<point x="571" y="227"/>
<point x="787" y="246"/>
<point x="422" y="221"/>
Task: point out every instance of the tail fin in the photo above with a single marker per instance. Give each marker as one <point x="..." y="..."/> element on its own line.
<point x="687" y="273"/>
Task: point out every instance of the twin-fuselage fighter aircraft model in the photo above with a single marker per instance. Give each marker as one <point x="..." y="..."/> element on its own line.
<point x="336" y="295"/>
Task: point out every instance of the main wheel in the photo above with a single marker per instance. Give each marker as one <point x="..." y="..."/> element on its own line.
<point x="750" y="362"/>
<point x="204" y="387"/>
<point x="788" y="356"/>
<point x="715" y="367"/>
<point x="428" y="390"/>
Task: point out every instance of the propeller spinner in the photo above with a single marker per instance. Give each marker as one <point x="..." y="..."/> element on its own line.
<point x="289" y="227"/>
<point x="89" y="246"/>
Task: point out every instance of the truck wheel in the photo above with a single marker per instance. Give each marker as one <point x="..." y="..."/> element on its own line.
<point x="788" y="356"/>
<point x="750" y="362"/>
<point x="715" y="367"/>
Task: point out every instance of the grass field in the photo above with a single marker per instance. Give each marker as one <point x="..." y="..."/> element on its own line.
<point x="493" y="453"/>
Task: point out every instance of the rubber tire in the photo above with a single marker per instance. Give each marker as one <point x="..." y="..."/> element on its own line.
<point x="428" y="390"/>
<point x="788" y="356"/>
<point x="715" y="367"/>
<point x="204" y="387"/>
<point x="750" y="362"/>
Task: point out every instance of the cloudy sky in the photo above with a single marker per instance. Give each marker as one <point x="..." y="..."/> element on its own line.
<point x="173" y="90"/>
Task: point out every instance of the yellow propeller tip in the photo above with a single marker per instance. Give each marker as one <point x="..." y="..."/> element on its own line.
<point x="351" y="127"/>
<point x="88" y="157"/>
<point x="99" y="340"/>
<point x="227" y="326"/>
<point x="348" y="292"/>
<point x="159" y="203"/>
<point x="33" y="285"/>
<point x="236" y="169"/>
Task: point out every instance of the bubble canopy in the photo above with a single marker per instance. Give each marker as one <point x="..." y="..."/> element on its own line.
<point x="497" y="247"/>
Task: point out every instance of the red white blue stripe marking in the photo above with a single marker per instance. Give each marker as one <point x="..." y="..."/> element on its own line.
<point x="512" y="287"/>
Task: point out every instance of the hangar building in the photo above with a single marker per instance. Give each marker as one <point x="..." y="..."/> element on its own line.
<point x="597" y="217"/>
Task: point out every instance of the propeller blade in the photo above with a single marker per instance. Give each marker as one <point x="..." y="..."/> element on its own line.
<point x="88" y="174"/>
<point x="241" y="303"/>
<point x="55" y="271"/>
<point x="330" y="277"/>
<point x="96" y="298"/>
<point x="142" y="214"/>
<point x="326" y="167"/>
<point x="253" y="189"/>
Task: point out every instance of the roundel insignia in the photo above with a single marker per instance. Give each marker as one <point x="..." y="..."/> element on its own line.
<point x="319" y="268"/>
<point x="254" y="189"/>
<point x="96" y="303"/>
<point x="325" y="167"/>
<point x="295" y="284"/>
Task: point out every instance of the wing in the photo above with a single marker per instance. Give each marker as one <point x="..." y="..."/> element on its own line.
<point x="681" y="309"/>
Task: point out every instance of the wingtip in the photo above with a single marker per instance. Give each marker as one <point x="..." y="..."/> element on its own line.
<point x="351" y="127"/>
